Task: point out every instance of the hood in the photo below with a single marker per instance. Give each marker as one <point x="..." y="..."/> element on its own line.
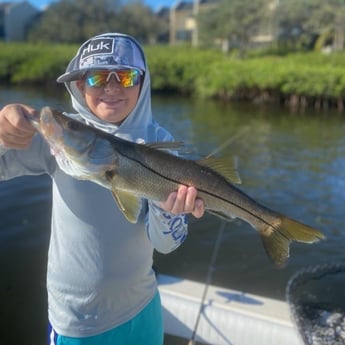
<point x="137" y="124"/>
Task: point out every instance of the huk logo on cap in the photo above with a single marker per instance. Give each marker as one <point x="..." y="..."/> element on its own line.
<point x="98" y="46"/>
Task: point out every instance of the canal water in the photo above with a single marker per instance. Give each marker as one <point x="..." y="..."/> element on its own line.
<point x="291" y="162"/>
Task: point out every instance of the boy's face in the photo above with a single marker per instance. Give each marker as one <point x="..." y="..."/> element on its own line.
<point x="112" y="102"/>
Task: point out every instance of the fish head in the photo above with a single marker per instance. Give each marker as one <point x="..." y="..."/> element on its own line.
<point x="64" y="134"/>
<point x="81" y="148"/>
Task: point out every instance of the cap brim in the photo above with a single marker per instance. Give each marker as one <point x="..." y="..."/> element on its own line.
<point x="79" y="74"/>
<point x="70" y="76"/>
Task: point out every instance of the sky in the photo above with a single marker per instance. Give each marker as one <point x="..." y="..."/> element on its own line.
<point x="154" y="4"/>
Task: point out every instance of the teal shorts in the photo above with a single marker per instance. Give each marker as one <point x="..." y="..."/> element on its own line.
<point x="144" y="328"/>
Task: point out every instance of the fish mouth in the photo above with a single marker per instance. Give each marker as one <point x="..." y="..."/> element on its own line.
<point x="34" y="120"/>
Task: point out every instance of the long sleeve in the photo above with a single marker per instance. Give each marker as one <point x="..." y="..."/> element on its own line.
<point x="3" y="150"/>
<point x="165" y="230"/>
<point x="35" y="160"/>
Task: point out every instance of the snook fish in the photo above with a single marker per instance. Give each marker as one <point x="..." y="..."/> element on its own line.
<point x="133" y="171"/>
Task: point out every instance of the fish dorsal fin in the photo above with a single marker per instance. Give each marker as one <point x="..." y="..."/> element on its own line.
<point x="165" y="145"/>
<point x="129" y="204"/>
<point x="224" y="166"/>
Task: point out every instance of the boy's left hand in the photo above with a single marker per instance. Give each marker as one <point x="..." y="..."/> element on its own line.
<point x="184" y="201"/>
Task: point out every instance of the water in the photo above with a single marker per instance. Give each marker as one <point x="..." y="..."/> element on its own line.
<point x="294" y="163"/>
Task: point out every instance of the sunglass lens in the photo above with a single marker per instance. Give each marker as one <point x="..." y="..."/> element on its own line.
<point x="126" y="78"/>
<point x="129" y="78"/>
<point x="97" y="79"/>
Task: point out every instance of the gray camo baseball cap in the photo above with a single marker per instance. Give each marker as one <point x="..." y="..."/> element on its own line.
<point x="107" y="51"/>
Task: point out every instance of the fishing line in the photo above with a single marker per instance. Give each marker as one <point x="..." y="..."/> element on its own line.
<point x="211" y="266"/>
<point x="210" y="271"/>
<point x="229" y="141"/>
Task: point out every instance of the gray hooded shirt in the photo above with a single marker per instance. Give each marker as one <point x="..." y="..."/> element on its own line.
<point x="99" y="265"/>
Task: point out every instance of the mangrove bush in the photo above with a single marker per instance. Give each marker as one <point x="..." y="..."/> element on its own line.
<point x="300" y="78"/>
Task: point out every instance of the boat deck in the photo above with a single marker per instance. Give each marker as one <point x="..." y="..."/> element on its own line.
<point x="229" y="317"/>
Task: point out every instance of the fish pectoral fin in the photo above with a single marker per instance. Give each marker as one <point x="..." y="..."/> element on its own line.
<point x="225" y="166"/>
<point x="276" y="239"/>
<point x="129" y="204"/>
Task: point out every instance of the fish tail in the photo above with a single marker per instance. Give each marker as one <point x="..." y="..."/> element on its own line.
<point x="276" y="239"/>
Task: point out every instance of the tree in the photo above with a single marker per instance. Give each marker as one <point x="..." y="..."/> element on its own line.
<point x="310" y="23"/>
<point x="139" y="21"/>
<point x="327" y="19"/>
<point x="235" y="21"/>
<point x="291" y="16"/>
<point x="74" y="21"/>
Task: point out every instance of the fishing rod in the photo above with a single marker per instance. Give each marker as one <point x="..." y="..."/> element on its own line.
<point x="210" y="271"/>
<point x="211" y="266"/>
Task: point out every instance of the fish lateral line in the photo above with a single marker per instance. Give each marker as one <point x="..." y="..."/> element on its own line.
<point x="110" y="174"/>
<point x="276" y="232"/>
<point x="275" y="227"/>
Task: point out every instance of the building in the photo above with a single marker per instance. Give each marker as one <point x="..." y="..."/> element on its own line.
<point x="183" y="26"/>
<point x="163" y="14"/>
<point x="182" y="20"/>
<point x="15" y="18"/>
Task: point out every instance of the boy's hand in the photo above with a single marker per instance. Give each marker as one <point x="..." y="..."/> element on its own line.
<point x="184" y="201"/>
<point x="15" y="130"/>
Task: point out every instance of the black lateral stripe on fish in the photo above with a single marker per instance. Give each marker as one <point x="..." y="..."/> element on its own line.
<point x="134" y="171"/>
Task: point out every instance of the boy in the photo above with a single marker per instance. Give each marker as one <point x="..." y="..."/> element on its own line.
<point x="101" y="286"/>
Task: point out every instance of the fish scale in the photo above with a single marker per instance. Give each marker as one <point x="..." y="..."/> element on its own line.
<point x="134" y="171"/>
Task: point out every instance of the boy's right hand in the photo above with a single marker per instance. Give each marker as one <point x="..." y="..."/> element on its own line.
<point x="16" y="131"/>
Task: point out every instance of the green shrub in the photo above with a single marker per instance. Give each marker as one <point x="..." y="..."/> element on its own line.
<point x="33" y="63"/>
<point x="205" y="73"/>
